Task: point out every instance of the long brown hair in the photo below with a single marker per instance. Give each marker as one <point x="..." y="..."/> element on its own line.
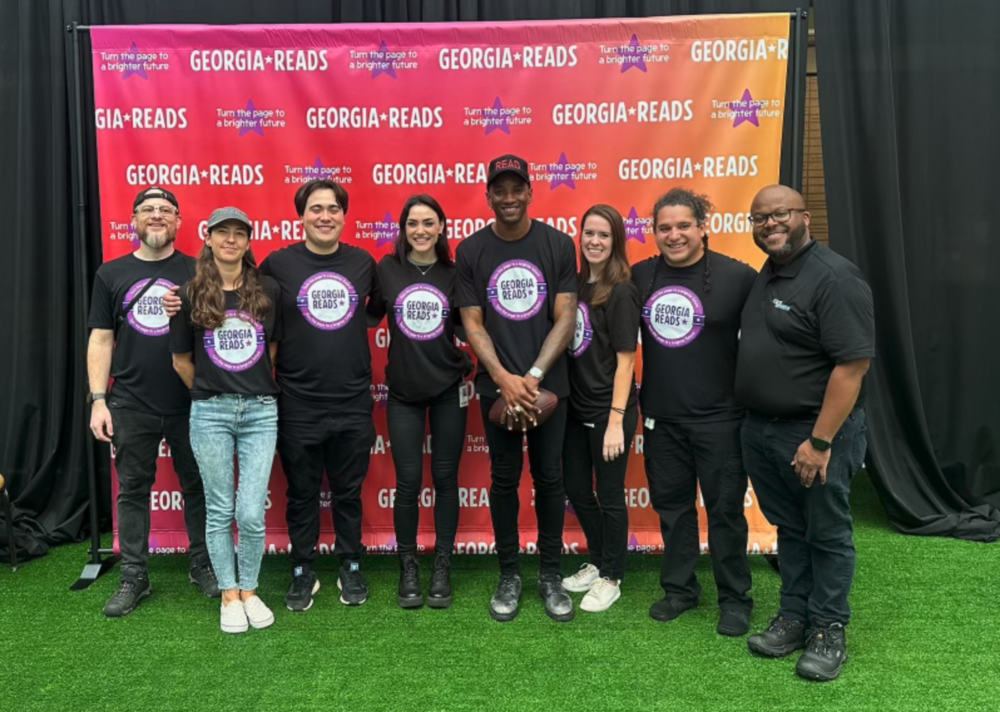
<point x="208" y="303"/>
<point x="617" y="269"/>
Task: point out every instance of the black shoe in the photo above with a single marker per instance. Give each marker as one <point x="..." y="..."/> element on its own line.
<point x="204" y="577"/>
<point x="126" y="598"/>
<point x="666" y="609"/>
<point x="352" y="585"/>
<point x="504" y="604"/>
<point x="782" y="637"/>
<point x="300" y="594"/>
<point x="558" y="604"/>
<point x="826" y="652"/>
<point x="439" y="595"/>
<point x="733" y="622"/>
<point x="409" y="582"/>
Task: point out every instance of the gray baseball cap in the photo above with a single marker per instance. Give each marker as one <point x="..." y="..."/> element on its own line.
<point x="221" y="215"/>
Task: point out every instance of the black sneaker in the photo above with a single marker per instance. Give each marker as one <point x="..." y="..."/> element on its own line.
<point x="439" y="595"/>
<point x="203" y="576"/>
<point x="352" y="585"/>
<point x="782" y="637"/>
<point x="558" y="604"/>
<point x="666" y="609"/>
<point x="826" y="652"/>
<point x="126" y="598"/>
<point x="304" y="586"/>
<point x="409" y="582"/>
<point x="733" y="622"/>
<point x="504" y="604"/>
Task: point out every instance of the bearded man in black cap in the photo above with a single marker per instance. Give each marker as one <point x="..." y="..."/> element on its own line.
<point x="148" y="401"/>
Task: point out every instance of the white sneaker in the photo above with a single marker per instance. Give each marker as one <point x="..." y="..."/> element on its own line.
<point x="258" y="614"/>
<point x="233" y="617"/>
<point x="582" y="579"/>
<point x="600" y="596"/>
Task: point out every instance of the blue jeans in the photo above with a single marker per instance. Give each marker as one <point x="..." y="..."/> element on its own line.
<point x="247" y="425"/>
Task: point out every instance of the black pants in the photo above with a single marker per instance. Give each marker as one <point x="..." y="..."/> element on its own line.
<point x="137" y="445"/>
<point x="678" y="458"/>
<point x="309" y="442"/>
<point x="604" y="518"/>
<point x="406" y="423"/>
<point x="815" y="535"/>
<point x="545" y="444"/>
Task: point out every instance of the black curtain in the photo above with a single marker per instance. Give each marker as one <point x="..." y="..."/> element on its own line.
<point x="43" y="414"/>
<point x="909" y="95"/>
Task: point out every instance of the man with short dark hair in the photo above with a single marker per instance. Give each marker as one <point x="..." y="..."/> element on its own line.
<point x="147" y="401"/>
<point x="517" y="294"/>
<point x="808" y="336"/>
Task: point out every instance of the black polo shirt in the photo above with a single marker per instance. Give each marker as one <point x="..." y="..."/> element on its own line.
<point x="800" y="320"/>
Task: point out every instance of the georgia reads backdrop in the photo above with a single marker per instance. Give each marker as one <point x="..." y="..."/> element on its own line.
<point x="614" y="111"/>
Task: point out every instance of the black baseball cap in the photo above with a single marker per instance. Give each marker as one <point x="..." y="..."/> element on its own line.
<point x="154" y="192"/>
<point x="508" y="163"/>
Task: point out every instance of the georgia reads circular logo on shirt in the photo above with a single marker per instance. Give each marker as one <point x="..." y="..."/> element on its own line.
<point x="583" y="334"/>
<point x="236" y="345"/>
<point x="517" y="290"/>
<point x="147" y="317"/>
<point x="327" y="300"/>
<point x="420" y="311"/>
<point x="674" y="316"/>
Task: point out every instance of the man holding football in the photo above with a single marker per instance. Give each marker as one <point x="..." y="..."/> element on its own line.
<point x="517" y="294"/>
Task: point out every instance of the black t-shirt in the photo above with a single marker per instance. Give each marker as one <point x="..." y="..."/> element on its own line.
<point x="601" y="332"/>
<point x="424" y="360"/>
<point x="144" y="376"/>
<point x="690" y="337"/>
<point x="325" y="358"/>
<point x="516" y="283"/>
<point x="800" y="321"/>
<point x="234" y="357"/>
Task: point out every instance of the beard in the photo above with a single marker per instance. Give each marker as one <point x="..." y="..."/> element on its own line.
<point x="793" y="242"/>
<point x="158" y="242"/>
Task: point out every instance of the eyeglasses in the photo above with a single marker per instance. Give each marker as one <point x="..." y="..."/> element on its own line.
<point x="780" y="216"/>
<point x="165" y="210"/>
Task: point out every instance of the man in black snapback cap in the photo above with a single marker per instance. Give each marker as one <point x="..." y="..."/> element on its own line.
<point x="148" y="401"/>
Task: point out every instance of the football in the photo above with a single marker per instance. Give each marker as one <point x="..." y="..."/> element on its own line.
<point x="547" y="402"/>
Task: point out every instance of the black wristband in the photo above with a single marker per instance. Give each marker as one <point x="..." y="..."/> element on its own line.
<point x="621" y="411"/>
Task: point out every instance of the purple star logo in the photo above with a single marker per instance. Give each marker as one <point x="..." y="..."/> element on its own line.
<point x="563" y="173"/>
<point x="633" y="227"/>
<point x="250" y="122"/>
<point x="136" y="66"/>
<point x="383" y="65"/>
<point x="633" y="543"/>
<point x="152" y="543"/>
<point x="745" y="110"/>
<point x="383" y="230"/>
<point x="135" y="237"/>
<point x="390" y="545"/>
<point x="633" y="55"/>
<point x="496" y="119"/>
<point x="315" y="170"/>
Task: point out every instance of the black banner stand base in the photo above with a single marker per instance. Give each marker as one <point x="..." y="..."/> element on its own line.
<point x="94" y="570"/>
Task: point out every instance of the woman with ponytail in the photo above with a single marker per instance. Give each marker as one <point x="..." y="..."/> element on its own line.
<point x="224" y="340"/>
<point x="692" y="299"/>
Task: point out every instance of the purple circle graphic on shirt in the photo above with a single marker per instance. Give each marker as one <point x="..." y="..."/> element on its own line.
<point x="238" y="344"/>
<point x="583" y="334"/>
<point x="420" y="311"/>
<point x="327" y="300"/>
<point x="147" y="317"/>
<point x="674" y="315"/>
<point x="517" y="290"/>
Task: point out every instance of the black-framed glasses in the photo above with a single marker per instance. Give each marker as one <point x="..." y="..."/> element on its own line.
<point x="780" y="216"/>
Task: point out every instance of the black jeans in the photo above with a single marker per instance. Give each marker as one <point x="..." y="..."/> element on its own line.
<point x="137" y="445"/>
<point x="407" y="422"/>
<point x="545" y="444"/>
<point x="309" y="442"/>
<point x="604" y="518"/>
<point x="815" y="534"/>
<point x="678" y="458"/>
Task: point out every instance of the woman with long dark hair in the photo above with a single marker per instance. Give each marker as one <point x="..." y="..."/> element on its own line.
<point x="424" y="375"/>
<point x="602" y="407"/>
<point x="224" y="340"/>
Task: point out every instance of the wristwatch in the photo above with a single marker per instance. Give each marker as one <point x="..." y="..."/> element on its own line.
<point x="536" y="372"/>
<point x="96" y="397"/>
<point x="819" y="443"/>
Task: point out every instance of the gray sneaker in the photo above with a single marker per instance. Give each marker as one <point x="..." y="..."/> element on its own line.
<point x="558" y="604"/>
<point x="504" y="604"/>
<point x="126" y="598"/>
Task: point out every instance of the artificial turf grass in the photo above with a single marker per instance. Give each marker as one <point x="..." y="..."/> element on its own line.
<point x="922" y="637"/>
